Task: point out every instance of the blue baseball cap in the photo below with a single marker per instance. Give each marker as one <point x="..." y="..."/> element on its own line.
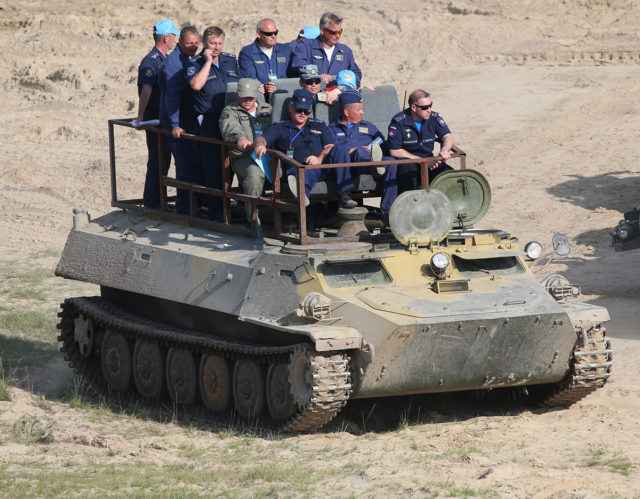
<point x="350" y="97"/>
<point x="302" y="99"/>
<point x="346" y="77"/>
<point x="310" y="32"/>
<point x="165" y="27"/>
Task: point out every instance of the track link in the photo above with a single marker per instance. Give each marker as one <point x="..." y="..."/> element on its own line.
<point x="328" y="378"/>
<point x="590" y="369"/>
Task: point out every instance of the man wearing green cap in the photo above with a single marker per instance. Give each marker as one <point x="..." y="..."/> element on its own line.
<point x="241" y="123"/>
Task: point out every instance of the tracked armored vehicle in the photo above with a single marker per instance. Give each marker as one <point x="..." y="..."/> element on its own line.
<point x="289" y="327"/>
<point x="626" y="236"/>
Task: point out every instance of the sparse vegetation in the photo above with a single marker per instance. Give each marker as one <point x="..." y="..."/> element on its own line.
<point x="617" y="462"/>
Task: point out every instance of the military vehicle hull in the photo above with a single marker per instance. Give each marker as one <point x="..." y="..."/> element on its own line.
<point x="295" y="331"/>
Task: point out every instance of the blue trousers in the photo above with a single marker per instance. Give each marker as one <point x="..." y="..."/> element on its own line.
<point x="389" y="179"/>
<point x="151" y="194"/>
<point x="408" y="175"/>
<point x="186" y="155"/>
<point x="338" y="154"/>
<point x="212" y="162"/>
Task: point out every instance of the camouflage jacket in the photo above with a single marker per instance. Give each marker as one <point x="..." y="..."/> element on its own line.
<point x="235" y="122"/>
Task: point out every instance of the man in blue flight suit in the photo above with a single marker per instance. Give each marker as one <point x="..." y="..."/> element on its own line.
<point x="362" y="141"/>
<point x="266" y="60"/>
<point x="325" y="51"/>
<point x="208" y="75"/>
<point x="177" y="112"/>
<point x="412" y="133"/>
<point x="309" y="142"/>
<point x="149" y="74"/>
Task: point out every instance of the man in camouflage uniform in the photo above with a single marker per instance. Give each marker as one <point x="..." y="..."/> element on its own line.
<point x="241" y="123"/>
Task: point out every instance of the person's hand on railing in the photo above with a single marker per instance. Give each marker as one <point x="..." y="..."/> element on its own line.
<point x="244" y="144"/>
<point x="312" y="160"/>
<point x="177" y="132"/>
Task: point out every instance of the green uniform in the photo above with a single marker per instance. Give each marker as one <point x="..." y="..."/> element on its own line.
<point x="236" y="122"/>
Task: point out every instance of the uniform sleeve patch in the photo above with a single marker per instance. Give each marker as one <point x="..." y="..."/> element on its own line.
<point x="441" y="121"/>
<point x="148" y="72"/>
<point x="191" y="70"/>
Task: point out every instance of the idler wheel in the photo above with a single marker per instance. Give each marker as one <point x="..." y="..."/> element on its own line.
<point x="300" y="377"/>
<point x="115" y="357"/>
<point x="215" y="382"/>
<point x="248" y="388"/>
<point x="83" y="334"/>
<point x="148" y="369"/>
<point x="182" y="382"/>
<point x="279" y="398"/>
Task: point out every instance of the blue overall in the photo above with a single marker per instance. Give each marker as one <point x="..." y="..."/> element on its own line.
<point x="209" y="102"/>
<point x="311" y="52"/>
<point x="309" y="141"/>
<point x="404" y="134"/>
<point x="362" y="134"/>
<point x="150" y="73"/>
<point x="177" y="110"/>
<point x="255" y="64"/>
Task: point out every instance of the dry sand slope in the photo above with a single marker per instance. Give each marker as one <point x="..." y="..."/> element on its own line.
<point x="543" y="96"/>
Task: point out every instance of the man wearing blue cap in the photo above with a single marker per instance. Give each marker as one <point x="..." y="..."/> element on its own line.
<point x="177" y="113"/>
<point x="325" y="51"/>
<point x="363" y="141"/>
<point x="149" y="72"/>
<point x="208" y="74"/>
<point x="265" y="59"/>
<point x="309" y="142"/>
<point x="412" y="134"/>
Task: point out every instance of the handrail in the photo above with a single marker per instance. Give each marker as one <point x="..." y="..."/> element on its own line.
<point x="275" y="202"/>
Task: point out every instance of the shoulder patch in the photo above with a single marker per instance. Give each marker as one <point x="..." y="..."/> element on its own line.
<point x="225" y="115"/>
<point x="191" y="70"/>
<point x="399" y="118"/>
<point x="148" y="72"/>
<point x="229" y="55"/>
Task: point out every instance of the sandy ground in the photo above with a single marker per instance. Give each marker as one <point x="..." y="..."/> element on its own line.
<point x="542" y="95"/>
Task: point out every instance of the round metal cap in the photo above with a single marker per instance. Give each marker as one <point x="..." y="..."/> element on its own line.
<point x="469" y="193"/>
<point x="425" y="215"/>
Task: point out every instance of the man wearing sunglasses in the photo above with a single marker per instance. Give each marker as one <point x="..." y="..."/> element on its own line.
<point x="266" y="60"/>
<point x="412" y="134"/>
<point x="309" y="142"/>
<point x="325" y="51"/>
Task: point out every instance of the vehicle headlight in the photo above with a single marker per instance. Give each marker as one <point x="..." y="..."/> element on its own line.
<point x="624" y="231"/>
<point x="533" y="249"/>
<point x="439" y="264"/>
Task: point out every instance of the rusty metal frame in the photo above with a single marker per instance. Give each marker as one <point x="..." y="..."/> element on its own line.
<point x="276" y="203"/>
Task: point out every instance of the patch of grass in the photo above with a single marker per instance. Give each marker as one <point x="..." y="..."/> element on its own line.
<point x="454" y="490"/>
<point x="5" y="396"/>
<point x="23" y="283"/>
<point x="617" y="463"/>
<point x="30" y="429"/>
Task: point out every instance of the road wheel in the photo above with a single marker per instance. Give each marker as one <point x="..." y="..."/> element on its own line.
<point x="215" y="382"/>
<point x="182" y="382"/>
<point x="116" y="360"/>
<point x="248" y="388"/>
<point x="148" y="369"/>
<point x="279" y="398"/>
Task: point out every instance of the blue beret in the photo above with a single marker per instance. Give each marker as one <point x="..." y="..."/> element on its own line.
<point x="302" y="99"/>
<point x="350" y="97"/>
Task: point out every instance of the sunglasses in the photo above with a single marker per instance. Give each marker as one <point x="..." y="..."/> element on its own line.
<point x="269" y="33"/>
<point x="306" y="112"/>
<point x="424" y="108"/>
<point x="313" y="81"/>
<point x="331" y="32"/>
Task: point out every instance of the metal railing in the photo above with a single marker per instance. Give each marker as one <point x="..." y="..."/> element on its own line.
<point x="227" y="193"/>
